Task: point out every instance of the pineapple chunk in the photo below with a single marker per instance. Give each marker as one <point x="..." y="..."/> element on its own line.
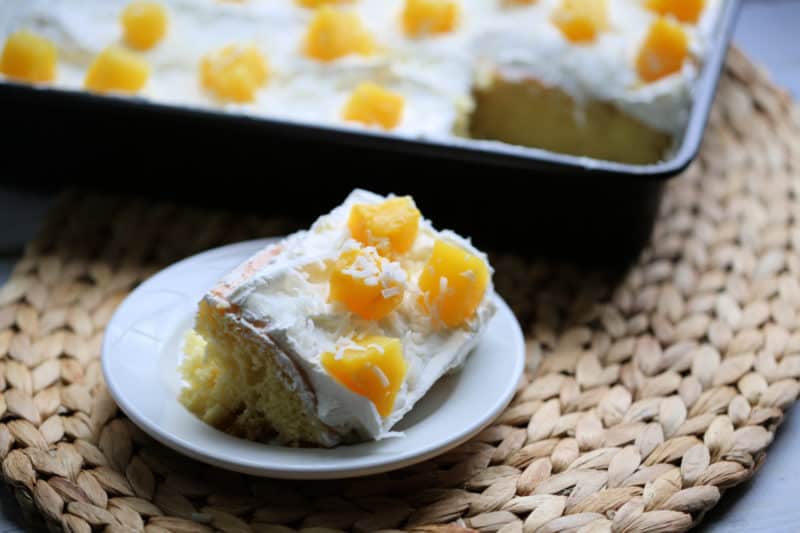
<point x="390" y="226"/>
<point x="144" y="24"/>
<point x="425" y="17"/>
<point x="373" y="105"/>
<point x="234" y="73"/>
<point x="117" y="69"/>
<point x="581" y="20"/>
<point x="333" y="34"/>
<point x="373" y="368"/>
<point x="452" y="282"/>
<point x="663" y="52"/>
<point x="29" y="57"/>
<point x="366" y="283"/>
<point x="684" y="10"/>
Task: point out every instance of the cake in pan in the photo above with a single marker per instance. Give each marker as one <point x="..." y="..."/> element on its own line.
<point x="333" y="334"/>
<point x="610" y="79"/>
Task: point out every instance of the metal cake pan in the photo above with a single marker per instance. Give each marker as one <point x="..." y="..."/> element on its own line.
<point x="117" y="143"/>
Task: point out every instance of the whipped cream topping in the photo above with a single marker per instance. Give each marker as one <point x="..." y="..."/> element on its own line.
<point x="435" y="75"/>
<point x="290" y="296"/>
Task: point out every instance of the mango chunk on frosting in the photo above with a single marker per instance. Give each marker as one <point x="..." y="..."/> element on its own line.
<point x="684" y="10"/>
<point x="663" y="52"/>
<point x="390" y="226"/>
<point x="428" y="17"/>
<point x="234" y="73"/>
<point x="453" y="283"/>
<point x="372" y="367"/>
<point x="144" y="24"/>
<point x="333" y="34"/>
<point x="581" y="20"/>
<point x="372" y="105"/>
<point x="29" y="57"/>
<point x="117" y="69"/>
<point x="366" y="283"/>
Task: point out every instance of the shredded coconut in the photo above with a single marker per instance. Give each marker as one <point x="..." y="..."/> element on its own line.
<point x="381" y="376"/>
<point x="344" y="344"/>
<point x="365" y="267"/>
<point x="390" y="292"/>
<point x="392" y="273"/>
<point x="381" y="243"/>
<point x="376" y="347"/>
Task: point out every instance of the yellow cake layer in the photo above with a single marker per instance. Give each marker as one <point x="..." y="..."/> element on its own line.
<point x="528" y="113"/>
<point x="236" y="384"/>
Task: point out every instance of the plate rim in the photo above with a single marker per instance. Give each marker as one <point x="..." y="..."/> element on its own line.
<point x="312" y="472"/>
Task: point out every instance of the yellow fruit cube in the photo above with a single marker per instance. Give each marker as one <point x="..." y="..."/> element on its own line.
<point x="144" y="24"/>
<point x="372" y="367"/>
<point x="366" y="283"/>
<point x="117" y="69"/>
<point x="684" y="10"/>
<point x="373" y="105"/>
<point x="581" y="20"/>
<point x="333" y="34"/>
<point x="234" y="73"/>
<point x="453" y="283"/>
<point x="29" y="57"/>
<point x="390" y="226"/>
<point x="426" y="17"/>
<point x="663" y="52"/>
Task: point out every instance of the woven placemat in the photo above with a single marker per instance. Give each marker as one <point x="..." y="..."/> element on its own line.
<point x="651" y="395"/>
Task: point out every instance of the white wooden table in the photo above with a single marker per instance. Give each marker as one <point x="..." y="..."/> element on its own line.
<point x="767" y="31"/>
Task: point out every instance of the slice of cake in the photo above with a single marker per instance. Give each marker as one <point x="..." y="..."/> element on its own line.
<point x="333" y="334"/>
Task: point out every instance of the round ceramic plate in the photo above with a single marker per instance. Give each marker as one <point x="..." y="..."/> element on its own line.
<point x="142" y="350"/>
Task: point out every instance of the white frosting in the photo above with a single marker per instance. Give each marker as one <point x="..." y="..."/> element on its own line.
<point x="435" y="75"/>
<point x="290" y="296"/>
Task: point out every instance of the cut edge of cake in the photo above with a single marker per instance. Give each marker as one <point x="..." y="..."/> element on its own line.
<point x="228" y="342"/>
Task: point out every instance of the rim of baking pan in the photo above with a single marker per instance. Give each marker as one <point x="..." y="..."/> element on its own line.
<point x="470" y="150"/>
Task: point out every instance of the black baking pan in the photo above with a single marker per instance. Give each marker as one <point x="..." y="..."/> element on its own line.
<point x="504" y="196"/>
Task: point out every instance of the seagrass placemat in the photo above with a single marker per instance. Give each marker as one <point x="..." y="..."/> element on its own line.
<point x="652" y="394"/>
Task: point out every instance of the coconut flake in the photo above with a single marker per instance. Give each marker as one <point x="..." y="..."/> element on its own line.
<point x="344" y="344"/>
<point x="381" y="376"/>
<point x="390" y="292"/>
<point x="376" y="347"/>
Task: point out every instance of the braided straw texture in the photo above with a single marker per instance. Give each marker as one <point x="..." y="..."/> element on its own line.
<point x="652" y="394"/>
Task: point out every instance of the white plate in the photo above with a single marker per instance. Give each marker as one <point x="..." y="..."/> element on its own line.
<point x="142" y="349"/>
